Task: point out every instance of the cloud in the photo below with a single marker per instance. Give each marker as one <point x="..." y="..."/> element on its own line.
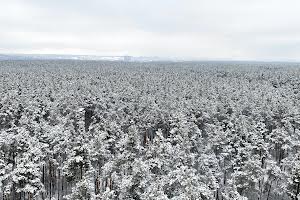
<point x="193" y="29"/>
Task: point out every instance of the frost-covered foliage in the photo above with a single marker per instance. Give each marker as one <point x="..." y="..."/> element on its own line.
<point x="83" y="130"/>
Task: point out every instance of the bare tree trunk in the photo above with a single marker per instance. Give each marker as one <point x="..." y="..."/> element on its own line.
<point x="50" y="180"/>
<point x="298" y="190"/>
<point x="217" y="194"/>
<point x="62" y="186"/>
<point x="81" y="171"/>
<point x="58" y="188"/>
<point x="269" y="190"/>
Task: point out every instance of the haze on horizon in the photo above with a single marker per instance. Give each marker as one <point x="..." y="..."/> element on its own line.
<point x="189" y="29"/>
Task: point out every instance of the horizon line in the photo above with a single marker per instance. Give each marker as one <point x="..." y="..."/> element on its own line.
<point x="166" y="59"/>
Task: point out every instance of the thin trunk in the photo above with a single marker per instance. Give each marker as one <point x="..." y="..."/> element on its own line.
<point x="50" y="190"/>
<point x="50" y="180"/>
<point x="14" y="159"/>
<point x="298" y="190"/>
<point x="43" y="179"/>
<point x="224" y="180"/>
<point x="96" y="185"/>
<point x="50" y="184"/>
<point x="269" y="190"/>
<point x="294" y="128"/>
<point x="260" y="190"/>
<point x="62" y="186"/>
<point x="14" y="191"/>
<point x="217" y="194"/>
<point x="81" y="171"/>
<point x="58" y="188"/>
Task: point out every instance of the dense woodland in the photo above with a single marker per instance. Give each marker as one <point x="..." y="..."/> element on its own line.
<point x="80" y="130"/>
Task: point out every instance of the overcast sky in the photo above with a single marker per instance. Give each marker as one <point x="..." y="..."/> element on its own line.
<point x="191" y="29"/>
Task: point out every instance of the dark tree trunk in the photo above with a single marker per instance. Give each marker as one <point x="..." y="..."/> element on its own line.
<point x="269" y="191"/>
<point x="298" y="190"/>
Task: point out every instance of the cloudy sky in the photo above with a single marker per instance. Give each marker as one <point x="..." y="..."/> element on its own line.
<point x="190" y="29"/>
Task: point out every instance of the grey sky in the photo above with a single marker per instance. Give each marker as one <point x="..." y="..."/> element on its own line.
<point x="192" y="29"/>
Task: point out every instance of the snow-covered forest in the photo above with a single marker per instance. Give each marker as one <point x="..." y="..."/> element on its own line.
<point x="80" y="130"/>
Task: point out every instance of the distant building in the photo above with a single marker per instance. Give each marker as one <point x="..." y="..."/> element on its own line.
<point x="127" y="58"/>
